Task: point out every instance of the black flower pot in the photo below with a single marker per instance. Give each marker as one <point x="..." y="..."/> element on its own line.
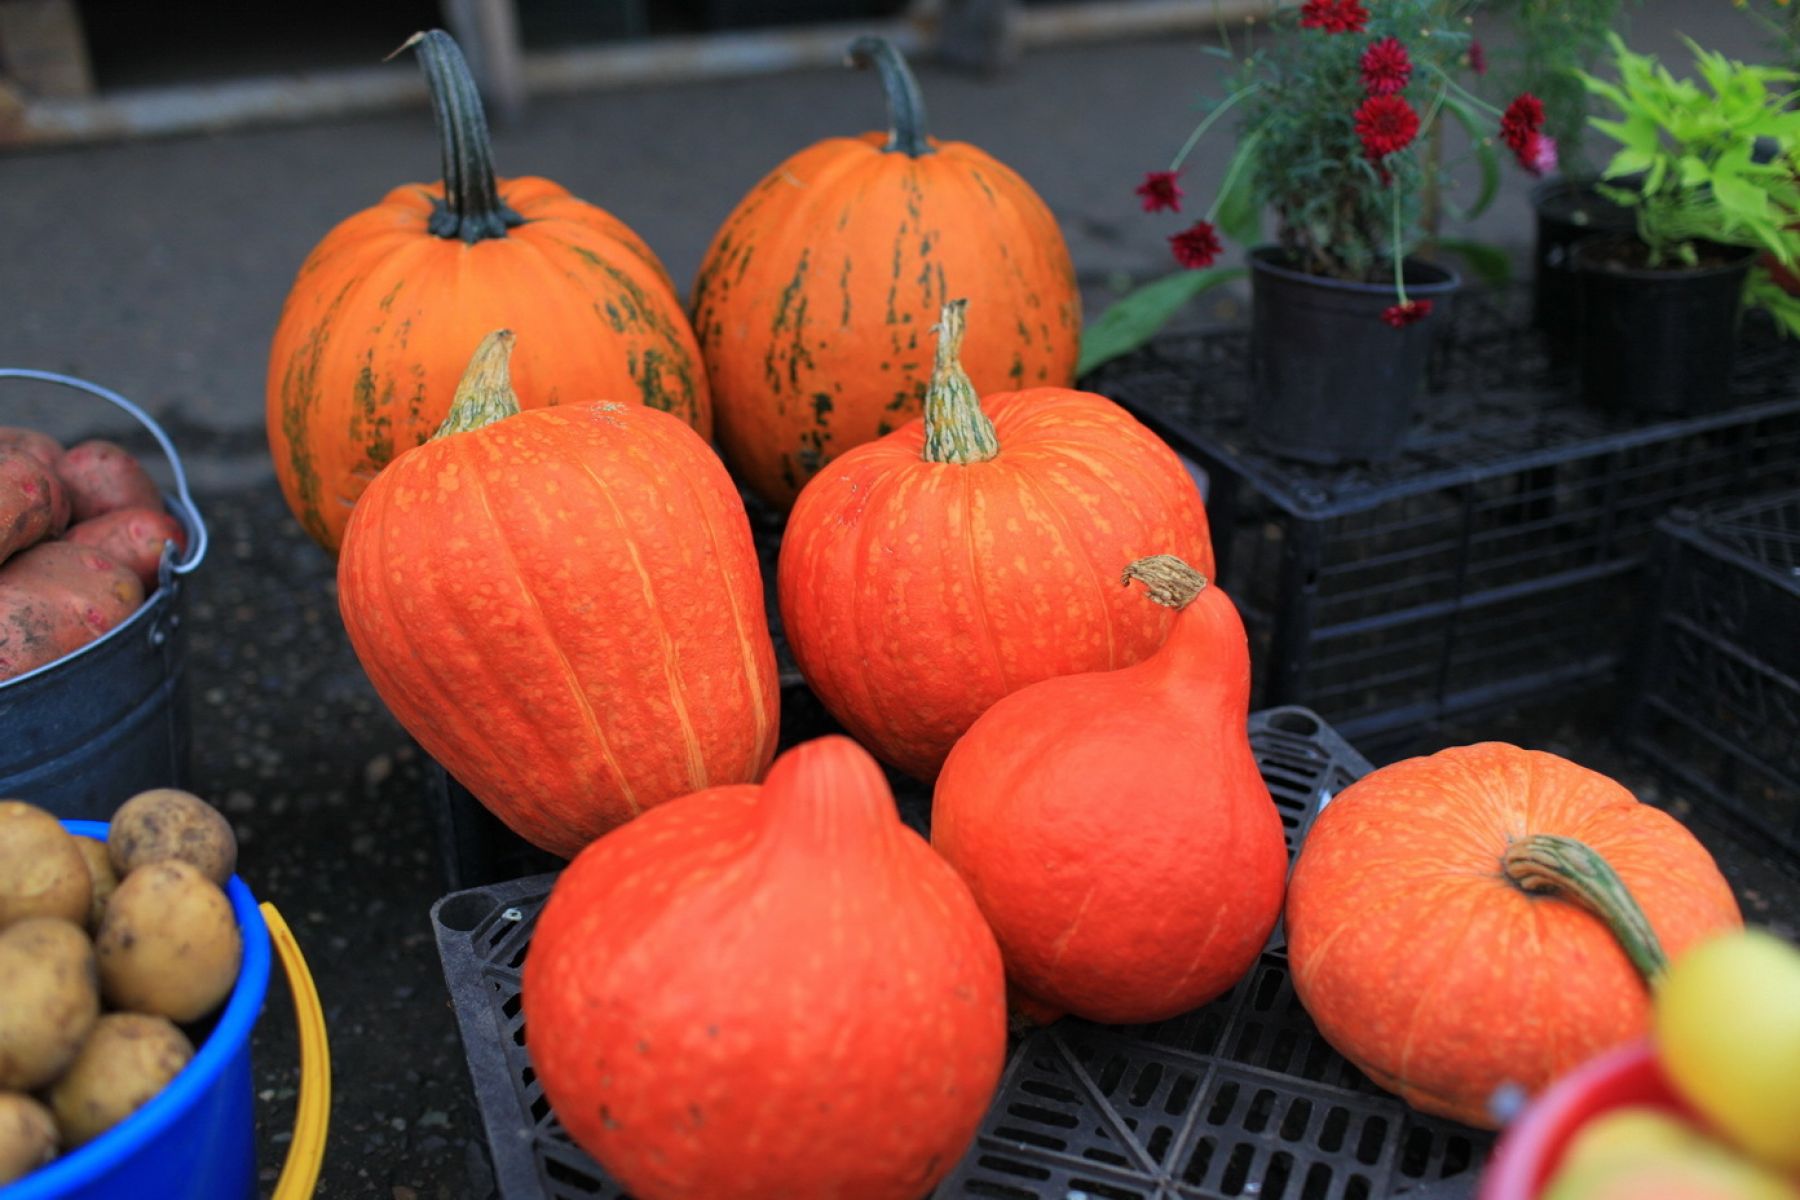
<point x="1568" y="211"/>
<point x="1657" y="340"/>
<point x="1331" y="382"/>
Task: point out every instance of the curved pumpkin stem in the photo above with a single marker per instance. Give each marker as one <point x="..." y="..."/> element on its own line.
<point x="485" y="393"/>
<point x="1171" y="582"/>
<point x="956" y="430"/>
<point x="906" y="105"/>
<point x="1574" y="870"/>
<point x="471" y="208"/>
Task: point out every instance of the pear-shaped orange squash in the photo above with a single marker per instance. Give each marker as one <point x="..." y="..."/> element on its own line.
<point x="768" y="992"/>
<point x="1114" y="826"/>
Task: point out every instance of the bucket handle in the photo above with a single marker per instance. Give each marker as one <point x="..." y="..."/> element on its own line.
<point x="198" y="550"/>
<point x="312" y="1112"/>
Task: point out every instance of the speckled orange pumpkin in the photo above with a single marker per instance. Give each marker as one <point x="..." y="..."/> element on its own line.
<point x="564" y="607"/>
<point x="813" y="302"/>
<point x="1490" y="915"/>
<point x="385" y="310"/>
<point x="928" y="574"/>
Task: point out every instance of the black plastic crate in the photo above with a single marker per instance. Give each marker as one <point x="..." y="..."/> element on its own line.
<point x="1716" y="701"/>
<point x="1241" y="1097"/>
<point x="1499" y="556"/>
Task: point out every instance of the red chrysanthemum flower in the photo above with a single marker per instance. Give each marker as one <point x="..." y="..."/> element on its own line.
<point x="1160" y="191"/>
<point x="1386" y="67"/>
<point x="1477" y="58"/>
<point x="1334" y="16"/>
<point x="1198" y="246"/>
<point x="1386" y="124"/>
<point x="1410" y="313"/>
<point x="1521" y="122"/>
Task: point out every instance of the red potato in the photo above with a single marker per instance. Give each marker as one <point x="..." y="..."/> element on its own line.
<point x="40" y="446"/>
<point x="56" y="598"/>
<point x="132" y="537"/>
<point x="102" y="477"/>
<point x="33" y="504"/>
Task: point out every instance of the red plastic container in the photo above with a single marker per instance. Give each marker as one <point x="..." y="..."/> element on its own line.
<point x="1531" y="1149"/>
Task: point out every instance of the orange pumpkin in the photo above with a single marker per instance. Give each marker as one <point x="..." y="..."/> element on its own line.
<point x="1114" y="826"/>
<point x="761" y="992"/>
<point x="378" y="326"/>
<point x="960" y="558"/>
<point x="1489" y="916"/>
<point x="813" y="301"/>
<point x="564" y="607"/>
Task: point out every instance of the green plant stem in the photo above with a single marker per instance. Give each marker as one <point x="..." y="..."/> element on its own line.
<point x="1237" y="166"/>
<point x="1573" y="870"/>
<point x="1230" y="102"/>
<point x="1399" y="259"/>
<point x="1462" y="92"/>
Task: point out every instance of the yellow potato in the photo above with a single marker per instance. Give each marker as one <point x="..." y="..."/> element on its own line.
<point x="41" y="874"/>
<point x="166" y="823"/>
<point x="100" y="876"/>
<point x="27" y="1136"/>
<point x="49" y="999"/>
<point x="168" y="943"/>
<point x="126" y="1060"/>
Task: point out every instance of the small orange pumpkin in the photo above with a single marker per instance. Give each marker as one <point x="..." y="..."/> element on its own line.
<point x="928" y="574"/>
<point x="1487" y="916"/>
<point x="813" y="301"/>
<point x="564" y="607"/>
<point x="377" y="328"/>
<point x="774" y="991"/>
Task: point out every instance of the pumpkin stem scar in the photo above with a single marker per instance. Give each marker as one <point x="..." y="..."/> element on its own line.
<point x="1171" y="582"/>
<point x="485" y="394"/>
<point x="906" y="104"/>
<point x="1574" y="871"/>
<point x="471" y="208"/>
<point x="956" y="430"/>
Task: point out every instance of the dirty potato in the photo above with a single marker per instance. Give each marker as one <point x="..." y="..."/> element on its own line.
<point x="27" y="1136"/>
<point x="168" y="943"/>
<point x="166" y="823"/>
<point x="126" y="1060"/>
<point x="49" y="999"/>
<point x="41" y="873"/>
<point x="100" y="876"/>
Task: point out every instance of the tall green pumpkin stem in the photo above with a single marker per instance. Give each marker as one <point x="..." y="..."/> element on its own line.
<point x="471" y="208"/>
<point x="906" y="104"/>
<point x="956" y="430"/>
<point x="1547" y="862"/>
<point x="1168" y="580"/>
<point x="485" y="393"/>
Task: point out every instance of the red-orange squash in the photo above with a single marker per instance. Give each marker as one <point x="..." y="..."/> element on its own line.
<point x="564" y="607"/>
<point x="960" y="558"/>
<point x="768" y="992"/>
<point x="1490" y="916"/>
<point x="1114" y="826"/>
<point x="813" y="302"/>
<point x="384" y="311"/>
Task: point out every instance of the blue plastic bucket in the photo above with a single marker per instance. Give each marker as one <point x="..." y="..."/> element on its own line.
<point x="99" y="725"/>
<point x="197" y="1138"/>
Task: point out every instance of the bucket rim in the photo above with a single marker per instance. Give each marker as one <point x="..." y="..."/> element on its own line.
<point x="230" y="1035"/>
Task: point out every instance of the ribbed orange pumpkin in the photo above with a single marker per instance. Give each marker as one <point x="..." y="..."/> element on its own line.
<point x="1114" y="826"/>
<point x="768" y="992"/>
<point x="812" y="303"/>
<point x="1487" y="916"/>
<point x="564" y="607"/>
<point x="930" y="573"/>
<point x="378" y="326"/>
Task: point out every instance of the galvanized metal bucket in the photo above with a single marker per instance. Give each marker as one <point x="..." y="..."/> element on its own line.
<point x="83" y="734"/>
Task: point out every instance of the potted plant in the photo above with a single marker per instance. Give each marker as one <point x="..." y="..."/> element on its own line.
<point x="1332" y="113"/>
<point x="1553" y="42"/>
<point x="1658" y="307"/>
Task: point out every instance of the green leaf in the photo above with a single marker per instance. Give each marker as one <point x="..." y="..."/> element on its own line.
<point x="1135" y="318"/>
<point x="1484" y="157"/>
<point x="1490" y="264"/>
<point x="1238" y="209"/>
